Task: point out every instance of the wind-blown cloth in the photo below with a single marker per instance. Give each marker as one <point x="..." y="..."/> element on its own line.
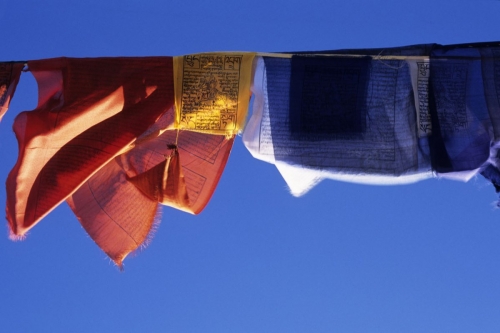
<point x="102" y="138"/>
<point x="382" y="116"/>
<point x="118" y="137"/>
<point x="118" y="206"/>
<point x="89" y="111"/>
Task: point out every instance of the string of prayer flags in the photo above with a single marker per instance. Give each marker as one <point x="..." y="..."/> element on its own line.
<point x="116" y="138"/>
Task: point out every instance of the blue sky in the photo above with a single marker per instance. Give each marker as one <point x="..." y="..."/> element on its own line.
<point x="343" y="258"/>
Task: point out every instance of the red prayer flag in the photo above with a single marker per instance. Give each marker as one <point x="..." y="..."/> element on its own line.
<point x="89" y="111"/>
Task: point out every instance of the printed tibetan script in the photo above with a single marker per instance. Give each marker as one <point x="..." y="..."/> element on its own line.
<point x="212" y="91"/>
<point x="420" y="71"/>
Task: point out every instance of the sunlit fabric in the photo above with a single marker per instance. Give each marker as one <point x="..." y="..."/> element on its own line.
<point x="89" y="111"/>
<point x="212" y="91"/>
<point x="10" y="73"/>
<point x="118" y="205"/>
<point x="118" y="137"/>
<point x="377" y="116"/>
<point x="164" y="182"/>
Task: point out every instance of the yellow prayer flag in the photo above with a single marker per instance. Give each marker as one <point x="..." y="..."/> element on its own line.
<point x="212" y="91"/>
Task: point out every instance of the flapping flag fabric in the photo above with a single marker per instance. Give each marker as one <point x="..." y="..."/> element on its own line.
<point x="89" y="111"/>
<point x="119" y="204"/>
<point x="118" y="137"/>
<point x="376" y="116"/>
<point x="10" y="72"/>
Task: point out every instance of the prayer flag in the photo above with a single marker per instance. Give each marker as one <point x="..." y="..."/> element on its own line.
<point x="118" y="205"/>
<point x="212" y="91"/>
<point x="89" y="111"/>
<point x="376" y="116"/>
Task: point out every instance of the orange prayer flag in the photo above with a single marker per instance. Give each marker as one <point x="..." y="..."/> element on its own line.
<point x="115" y="214"/>
<point x="202" y="158"/>
<point x="89" y="111"/>
<point x="10" y="73"/>
<point x="117" y="205"/>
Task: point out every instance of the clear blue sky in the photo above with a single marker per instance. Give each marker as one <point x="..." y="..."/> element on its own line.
<point x="344" y="258"/>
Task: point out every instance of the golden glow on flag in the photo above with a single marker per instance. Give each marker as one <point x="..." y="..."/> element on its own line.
<point x="212" y="91"/>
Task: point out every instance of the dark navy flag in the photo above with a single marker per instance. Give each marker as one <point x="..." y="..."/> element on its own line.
<point x="378" y="116"/>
